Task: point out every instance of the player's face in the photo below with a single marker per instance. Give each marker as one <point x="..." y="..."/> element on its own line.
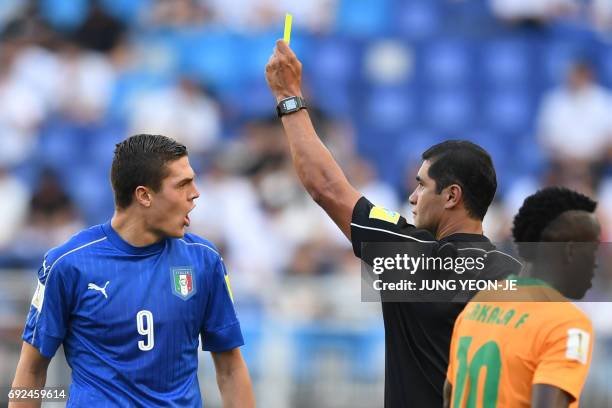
<point x="583" y="262"/>
<point x="427" y="205"/>
<point x="170" y="206"/>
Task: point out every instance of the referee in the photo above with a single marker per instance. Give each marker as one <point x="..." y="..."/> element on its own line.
<point x="456" y="184"/>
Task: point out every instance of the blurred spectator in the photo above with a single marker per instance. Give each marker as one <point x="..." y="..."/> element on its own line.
<point x="23" y="99"/>
<point x="532" y="11"/>
<point x="87" y="79"/>
<point x="575" y="125"/>
<point x="13" y="207"/>
<point x="252" y="16"/>
<point x="184" y="112"/>
<point x="100" y="31"/>
<point x="229" y="214"/>
<point x="177" y="13"/>
<point x="52" y="217"/>
<point x="364" y="177"/>
<point x="601" y="14"/>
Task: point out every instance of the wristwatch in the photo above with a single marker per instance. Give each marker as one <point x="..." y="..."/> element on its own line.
<point x="290" y="105"/>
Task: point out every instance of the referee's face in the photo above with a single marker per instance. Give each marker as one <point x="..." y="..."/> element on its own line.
<point x="427" y="205"/>
<point x="170" y="206"/>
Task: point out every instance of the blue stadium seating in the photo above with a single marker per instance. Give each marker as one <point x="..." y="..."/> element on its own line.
<point x="417" y="20"/>
<point x="449" y="111"/>
<point x="506" y="62"/>
<point x="128" y="11"/>
<point x="509" y="110"/>
<point x="363" y="18"/>
<point x="446" y="62"/>
<point x="64" y="14"/>
<point x="333" y="60"/>
<point x="472" y="78"/>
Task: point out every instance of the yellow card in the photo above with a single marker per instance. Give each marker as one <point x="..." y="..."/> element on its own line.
<point x="287" y="37"/>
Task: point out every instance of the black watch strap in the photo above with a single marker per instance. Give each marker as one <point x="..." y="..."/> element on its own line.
<point x="290" y="105"/>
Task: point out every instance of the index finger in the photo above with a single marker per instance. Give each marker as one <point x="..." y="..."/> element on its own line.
<point x="283" y="48"/>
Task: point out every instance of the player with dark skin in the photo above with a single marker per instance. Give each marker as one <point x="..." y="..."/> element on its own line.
<point x="442" y="213"/>
<point x="153" y="215"/>
<point x="566" y="261"/>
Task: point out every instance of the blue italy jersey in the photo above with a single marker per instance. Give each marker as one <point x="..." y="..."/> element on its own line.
<point x="130" y="317"/>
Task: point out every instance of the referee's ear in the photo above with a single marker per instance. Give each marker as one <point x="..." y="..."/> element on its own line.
<point x="454" y="195"/>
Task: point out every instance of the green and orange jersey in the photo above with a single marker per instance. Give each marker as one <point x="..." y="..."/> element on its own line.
<point x="504" y="343"/>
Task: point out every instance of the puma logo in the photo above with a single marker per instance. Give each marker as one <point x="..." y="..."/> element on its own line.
<point x="99" y="289"/>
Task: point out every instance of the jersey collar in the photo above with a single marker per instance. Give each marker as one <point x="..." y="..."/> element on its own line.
<point x="463" y="237"/>
<point x="124" y="246"/>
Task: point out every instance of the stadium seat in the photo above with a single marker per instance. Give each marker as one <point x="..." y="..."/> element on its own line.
<point x="64" y="14"/>
<point x="335" y="101"/>
<point x="558" y="56"/>
<point x="508" y="110"/>
<point x="128" y="11"/>
<point x="446" y="62"/>
<point x="506" y="62"/>
<point x="363" y="18"/>
<point x="449" y="110"/>
<point x="252" y="333"/>
<point x="213" y="57"/>
<point x="60" y="146"/>
<point x="417" y="20"/>
<point x="91" y="190"/>
<point x="389" y="109"/>
<point x="333" y="60"/>
<point x="358" y="349"/>
<point x="249" y="101"/>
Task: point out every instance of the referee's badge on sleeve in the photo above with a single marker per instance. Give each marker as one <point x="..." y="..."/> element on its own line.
<point x="577" y="345"/>
<point x="383" y="214"/>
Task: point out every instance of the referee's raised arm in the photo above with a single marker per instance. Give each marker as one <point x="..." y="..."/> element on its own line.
<point x="315" y="166"/>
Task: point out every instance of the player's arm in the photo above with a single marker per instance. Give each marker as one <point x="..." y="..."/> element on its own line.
<point x="314" y="164"/>
<point x="233" y="379"/>
<point x="447" y="394"/>
<point x="31" y="373"/>
<point x="563" y="361"/>
<point x="549" y="396"/>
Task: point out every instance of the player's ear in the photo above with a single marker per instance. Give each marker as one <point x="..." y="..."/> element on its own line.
<point x="453" y="196"/>
<point x="143" y="196"/>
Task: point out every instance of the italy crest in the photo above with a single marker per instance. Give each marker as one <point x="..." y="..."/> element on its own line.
<point x="183" y="282"/>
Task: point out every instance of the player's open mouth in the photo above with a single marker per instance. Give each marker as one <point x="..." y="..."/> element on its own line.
<point x="187" y="220"/>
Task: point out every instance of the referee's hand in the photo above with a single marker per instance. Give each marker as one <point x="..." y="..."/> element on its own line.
<point x="284" y="72"/>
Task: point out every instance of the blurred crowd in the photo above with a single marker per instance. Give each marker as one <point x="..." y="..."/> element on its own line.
<point x="385" y="79"/>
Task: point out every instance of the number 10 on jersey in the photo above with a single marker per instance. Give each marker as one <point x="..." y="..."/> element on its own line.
<point x="144" y="324"/>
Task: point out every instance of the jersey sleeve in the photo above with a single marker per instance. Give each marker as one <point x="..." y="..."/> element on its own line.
<point x="371" y="223"/>
<point x="220" y="328"/>
<point x="49" y="314"/>
<point x="565" y="356"/>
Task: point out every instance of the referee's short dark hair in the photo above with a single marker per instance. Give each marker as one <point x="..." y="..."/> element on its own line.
<point x="468" y="165"/>
<point x="140" y="160"/>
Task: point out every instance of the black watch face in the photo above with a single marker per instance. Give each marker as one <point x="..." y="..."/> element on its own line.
<point x="290" y="104"/>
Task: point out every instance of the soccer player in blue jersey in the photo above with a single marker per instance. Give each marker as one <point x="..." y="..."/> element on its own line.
<point x="130" y="299"/>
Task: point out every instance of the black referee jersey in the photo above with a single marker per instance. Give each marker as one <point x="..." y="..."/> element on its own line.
<point x="417" y="335"/>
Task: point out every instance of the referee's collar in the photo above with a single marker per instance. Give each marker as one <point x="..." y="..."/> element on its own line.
<point x="464" y="237"/>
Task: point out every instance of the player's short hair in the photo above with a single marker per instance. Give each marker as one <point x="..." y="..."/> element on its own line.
<point x="140" y="160"/>
<point x="542" y="208"/>
<point x="468" y="165"/>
